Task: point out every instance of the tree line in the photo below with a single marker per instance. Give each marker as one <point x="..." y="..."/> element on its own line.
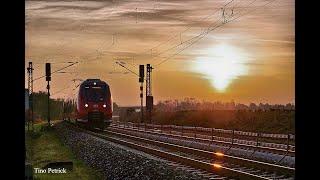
<point x="59" y="108"/>
<point x="194" y="104"/>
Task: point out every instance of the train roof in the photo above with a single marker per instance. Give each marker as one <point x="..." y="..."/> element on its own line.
<point x="91" y="81"/>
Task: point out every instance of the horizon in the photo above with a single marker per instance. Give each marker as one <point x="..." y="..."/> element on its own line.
<point x="184" y="98"/>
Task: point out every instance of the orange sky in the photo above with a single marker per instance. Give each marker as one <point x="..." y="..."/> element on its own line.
<point x="249" y="59"/>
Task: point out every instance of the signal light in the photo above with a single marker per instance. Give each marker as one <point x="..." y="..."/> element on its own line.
<point x="141" y="73"/>
<point x="104" y="106"/>
<point x="48" y="71"/>
<point x="86" y="105"/>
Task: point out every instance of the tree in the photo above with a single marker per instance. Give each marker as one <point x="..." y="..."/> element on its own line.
<point x="253" y="106"/>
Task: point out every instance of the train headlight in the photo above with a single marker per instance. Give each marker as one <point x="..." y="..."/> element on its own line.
<point x="104" y="106"/>
<point x="86" y="105"/>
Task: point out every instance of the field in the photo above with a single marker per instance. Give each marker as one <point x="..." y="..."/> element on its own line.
<point x="43" y="146"/>
<point x="269" y="121"/>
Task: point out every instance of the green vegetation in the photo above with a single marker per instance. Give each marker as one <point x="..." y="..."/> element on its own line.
<point x="44" y="146"/>
<point x="58" y="107"/>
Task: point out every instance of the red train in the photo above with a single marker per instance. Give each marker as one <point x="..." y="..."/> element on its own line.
<point x="94" y="104"/>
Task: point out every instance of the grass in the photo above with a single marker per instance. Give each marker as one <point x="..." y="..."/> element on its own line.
<point x="44" y="146"/>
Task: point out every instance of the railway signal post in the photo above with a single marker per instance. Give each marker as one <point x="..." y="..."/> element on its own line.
<point x="48" y="79"/>
<point x="141" y="79"/>
<point x="30" y="90"/>
<point x="149" y="97"/>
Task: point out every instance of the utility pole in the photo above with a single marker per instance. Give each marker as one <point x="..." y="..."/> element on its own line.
<point x="30" y="90"/>
<point x="141" y="79"/>
<point x="48" y="79"/>
<point x="149" y="97"/>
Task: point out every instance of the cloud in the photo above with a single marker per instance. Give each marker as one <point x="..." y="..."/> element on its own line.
<point x="57" y="29"/>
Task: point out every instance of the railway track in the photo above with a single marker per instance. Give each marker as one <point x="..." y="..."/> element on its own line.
<point x="222" y="166"/>
<point x="209" y="141"/>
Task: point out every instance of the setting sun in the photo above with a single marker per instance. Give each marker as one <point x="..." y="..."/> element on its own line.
<point x="221" y="65"/>
<point x="186" y="43"/>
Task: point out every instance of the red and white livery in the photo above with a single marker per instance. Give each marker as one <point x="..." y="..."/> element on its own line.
<point x="94" y="104"/>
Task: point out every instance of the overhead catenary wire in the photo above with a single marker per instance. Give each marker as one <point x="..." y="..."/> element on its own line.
<point x="196" y="39"/>
<point x="56" y="71"/>
<point x="99" y="54"/>
<point x="183" y="44"/>
<point x="190" y="40"/>
<point x="127" y="69"/>
<point x="61" y="90"/>
<point x="207" y="32"/>
<point x="114" y="4"/>
<point x="100" y="48"/>
<point x="83" y="26"/>
<point x="61" y="62"/>
<point x="200" y="36"/>
<point x="187" y="41"/>
<point x="181" y="32"/>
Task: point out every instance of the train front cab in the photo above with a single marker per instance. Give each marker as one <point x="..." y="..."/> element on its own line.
<point x="95" y="105"/>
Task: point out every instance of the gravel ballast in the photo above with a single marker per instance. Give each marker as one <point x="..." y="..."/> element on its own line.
<point x="116" y="161"/>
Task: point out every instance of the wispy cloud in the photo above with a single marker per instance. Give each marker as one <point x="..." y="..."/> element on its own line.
<point x="59" y="30"/>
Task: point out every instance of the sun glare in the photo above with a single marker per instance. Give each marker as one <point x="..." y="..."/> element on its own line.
<point x="221" y="65"/>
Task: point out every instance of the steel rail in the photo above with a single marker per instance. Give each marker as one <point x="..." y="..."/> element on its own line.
<point x="210" y="167"/>
<point x="263" y="148"/>
<point x="208" y="154"/>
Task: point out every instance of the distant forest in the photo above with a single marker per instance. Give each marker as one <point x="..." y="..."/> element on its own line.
<point x="57" y="107"/>
<point x="275" y="118"/>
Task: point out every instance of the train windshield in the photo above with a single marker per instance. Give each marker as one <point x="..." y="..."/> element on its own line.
<point x="96" y="93"/>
